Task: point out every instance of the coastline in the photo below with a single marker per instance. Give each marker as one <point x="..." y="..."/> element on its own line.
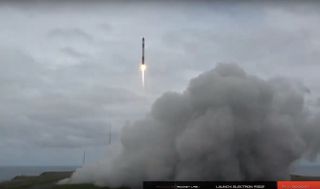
<point x="49" y="179"/>
<point x="46" y="180"/>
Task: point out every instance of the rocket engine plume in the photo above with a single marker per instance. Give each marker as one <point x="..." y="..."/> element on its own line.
<point x="143" y="69"/>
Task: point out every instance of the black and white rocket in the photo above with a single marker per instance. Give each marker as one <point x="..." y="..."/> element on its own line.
<point x="143" y="67"/>
<point x="142" y="62"/>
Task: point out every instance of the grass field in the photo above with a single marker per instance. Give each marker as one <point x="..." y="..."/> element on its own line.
<point x="302" y="178"/>
<point x="46" y="180"/>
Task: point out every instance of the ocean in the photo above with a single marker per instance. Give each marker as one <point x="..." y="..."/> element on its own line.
<point x="9" y="172"/>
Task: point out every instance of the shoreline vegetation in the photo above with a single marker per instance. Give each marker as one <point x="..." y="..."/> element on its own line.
<point x="48" y="180"/>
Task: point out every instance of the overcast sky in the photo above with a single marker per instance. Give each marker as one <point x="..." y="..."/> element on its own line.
<point x="70" y="70"/>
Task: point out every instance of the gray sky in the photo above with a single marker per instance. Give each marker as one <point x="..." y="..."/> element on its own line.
<point x="70" y="70"/>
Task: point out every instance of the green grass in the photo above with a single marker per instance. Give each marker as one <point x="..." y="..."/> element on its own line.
<point x="300" y="177"/>
<point x="24" y="182"/>
<point x="46" y="180"/>
<point x="81" y="186"/>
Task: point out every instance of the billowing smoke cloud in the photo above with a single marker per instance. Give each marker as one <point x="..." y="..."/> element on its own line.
<point x="227" y="125"/>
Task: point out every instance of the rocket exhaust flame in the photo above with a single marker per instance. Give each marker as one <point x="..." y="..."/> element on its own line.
<point x="143" y="69"/>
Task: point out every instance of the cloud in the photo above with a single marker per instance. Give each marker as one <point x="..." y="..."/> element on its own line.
<point x="75" y="34"/>
<point x="227" y="125"/>
<point x="71" y="51"/>
<point x="38" y="111"/>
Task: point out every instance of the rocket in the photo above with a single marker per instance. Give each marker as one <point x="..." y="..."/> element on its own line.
<point x="143" y="67"/>
<point x="142" y="51"/>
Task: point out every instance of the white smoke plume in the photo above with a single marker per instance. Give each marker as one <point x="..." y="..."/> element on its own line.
<point x="227" y="125"/>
